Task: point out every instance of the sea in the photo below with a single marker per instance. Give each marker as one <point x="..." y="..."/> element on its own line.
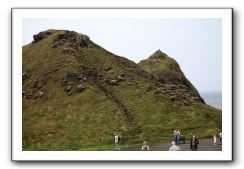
<point x="213" y="99"/>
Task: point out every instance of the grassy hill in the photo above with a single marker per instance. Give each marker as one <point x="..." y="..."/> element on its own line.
<point x="76" y="95"/>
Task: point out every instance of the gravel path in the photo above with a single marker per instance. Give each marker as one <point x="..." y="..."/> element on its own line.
<point x="205" y="144"/>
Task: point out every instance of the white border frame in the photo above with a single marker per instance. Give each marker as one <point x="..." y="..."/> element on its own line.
<point x="18" y="155"/>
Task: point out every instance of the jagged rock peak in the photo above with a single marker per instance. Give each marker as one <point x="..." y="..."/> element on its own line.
<point x="41" y="35"/>
<point x="62" y="35"/>
<point x="70" y="41"/>
<point x="158" y="55"/>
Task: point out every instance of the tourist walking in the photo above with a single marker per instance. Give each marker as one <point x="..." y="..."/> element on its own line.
<point x="220" y="137"/>
<point x="215" y="139"/>
<point x="194" y="143"/>
<point x="178" y="136"/>
<point x="116" y="141"/>
<point x="145" y="146"/>
<point x="174" y="147"/>
<point x="175" y="135"/>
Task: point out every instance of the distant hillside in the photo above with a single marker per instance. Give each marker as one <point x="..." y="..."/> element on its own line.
<point x="76" y="95"/>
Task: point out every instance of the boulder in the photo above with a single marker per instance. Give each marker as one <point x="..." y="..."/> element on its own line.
<point x="40" y="94"/>
<point x="49" y="96"/>
<point x="80" y="88"/>
<point x="119" y="78"/>
<point x="68" y="50"/>
<point x="36" y="83"/>
<point x="196" y="98"/>
<point x="84" y="40"/>
<point x="49" y="135"/>
<point x="40" y="36"/>
<point x="69" y="93"/>
<point x="100" y="76"/>
<point x="24" y="93"/>
<point x="185" y="103"/>
<point x="68" y="88"/>
<point x="113" y="82"/>
<point x="24" y="76"/>
<point x="173" y="87"/>
<point x="108" y="69"/>
<point x="157" y="91"/>
<point x="172" y="98"/>
<point x="29" y="94"/>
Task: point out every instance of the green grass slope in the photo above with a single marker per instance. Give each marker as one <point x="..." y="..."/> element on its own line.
<point x="76" y="95"/>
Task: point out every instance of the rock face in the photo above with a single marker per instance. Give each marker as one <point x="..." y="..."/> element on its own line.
<point x="40" y="36"/>
<point x="72" y="41"/>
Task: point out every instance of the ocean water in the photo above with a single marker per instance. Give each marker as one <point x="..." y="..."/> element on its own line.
<point x="212" y="98"/>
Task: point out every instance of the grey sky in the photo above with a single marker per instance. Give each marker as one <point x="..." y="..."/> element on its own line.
<point x="196" y="44"/>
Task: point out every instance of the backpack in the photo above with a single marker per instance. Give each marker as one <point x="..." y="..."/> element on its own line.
<point x="118" y="138"/>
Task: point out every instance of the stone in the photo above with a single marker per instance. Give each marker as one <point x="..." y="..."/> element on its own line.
<point x="68" y="88"/>
<point x="56" y="44"/>
<point x="99" y="75"/>
<point x="40" y="36"/>
<point x="29" y="94"/>
<point x="80" y="88"/>
<point x="49" y="96"/>
<point x="113" y="82"/>
<point x="24" y="76"/>
<point x="157" y="91"/>
<point x="49" y="135"/>
<point x="24" y="93"/>
<point x="80" y="76"/>
<point x="84" y="40"/>
<point x="69" y="93"/>
<point x="196" y="98"/>
<point x="68" y="50"/>
<point x="119" y="78"/>
<point x="108" y="69"/>
<point x="185" y="103"/>
<point x="172" y="98"/>
<point x="39" y="86"/>
<point x="36" y="83"/>
<point x="106" y="80"/>
<point x="173" y="87"/>
<point x="40" y="94"/>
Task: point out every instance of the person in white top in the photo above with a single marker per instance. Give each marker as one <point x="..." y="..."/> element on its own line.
<point x="145" y="146"/>
<point x="215" y="139"/>
<point x="174" y="147"/>
<point x="116" y="141"/>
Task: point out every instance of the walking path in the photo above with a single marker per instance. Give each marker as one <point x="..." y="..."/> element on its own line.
<point x="205" y="144"/>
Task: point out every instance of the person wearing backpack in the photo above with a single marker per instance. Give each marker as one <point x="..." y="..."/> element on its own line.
<point x="145" y="146"/>
<point x="193" y="144"/>
<point x="117" y="141"/>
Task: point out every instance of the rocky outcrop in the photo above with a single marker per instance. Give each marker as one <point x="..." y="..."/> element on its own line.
<point x="40" y="36"/>
<point x="72" y="41"/>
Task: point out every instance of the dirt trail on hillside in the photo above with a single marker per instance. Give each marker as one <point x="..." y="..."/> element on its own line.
<point x="205" y="144"/>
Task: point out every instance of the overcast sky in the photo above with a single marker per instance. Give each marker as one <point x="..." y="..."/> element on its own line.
<point x="196" y="44"/>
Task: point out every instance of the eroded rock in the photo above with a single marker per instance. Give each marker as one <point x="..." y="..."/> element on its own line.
<point x="40" y="36"/>
<point x="80" y="88"/>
